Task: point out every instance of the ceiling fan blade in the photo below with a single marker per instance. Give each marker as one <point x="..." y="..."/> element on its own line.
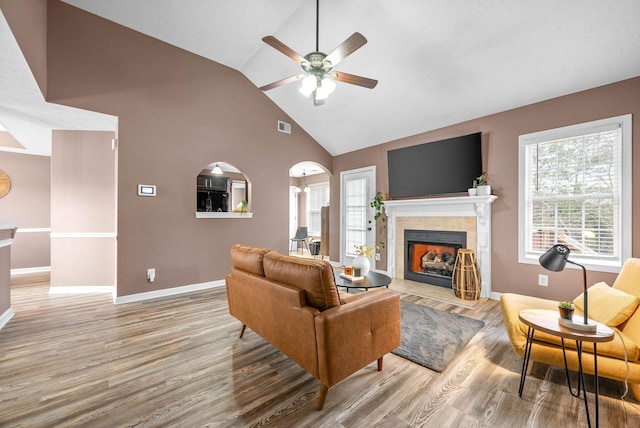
<point x="278" y="45"/>
<point x="354" y="80"/>
<point x="282" y="82"/>
<point x="349" y="46"/>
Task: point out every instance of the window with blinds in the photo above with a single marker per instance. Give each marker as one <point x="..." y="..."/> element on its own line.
<point x="318" y="197"/>
<point x="575" y="189"/>
<point x="356" y="215"/>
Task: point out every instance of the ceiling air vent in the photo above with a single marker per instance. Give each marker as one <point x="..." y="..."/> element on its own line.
<point x="284" y="127"/>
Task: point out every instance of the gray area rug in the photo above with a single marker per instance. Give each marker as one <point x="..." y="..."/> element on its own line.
<point x="431" y="337"/>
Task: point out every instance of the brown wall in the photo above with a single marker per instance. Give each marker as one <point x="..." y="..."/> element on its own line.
<point x="28" y="206"/>
<point x="177" y="113"/>
<point x="83" y="209"/>
<point x="500" y="150"/>
<point x="28" y="23"/>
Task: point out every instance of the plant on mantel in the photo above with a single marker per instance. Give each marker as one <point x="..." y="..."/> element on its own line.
<point x="377" y="203"/>
<point x="481" y="184"/>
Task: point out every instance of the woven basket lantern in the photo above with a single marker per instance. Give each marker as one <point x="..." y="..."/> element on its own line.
<point x="466" y="276"/>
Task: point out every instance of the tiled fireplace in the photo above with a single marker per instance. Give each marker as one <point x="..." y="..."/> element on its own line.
<point x="466" y="215"/>
<point x="431" y="254"/>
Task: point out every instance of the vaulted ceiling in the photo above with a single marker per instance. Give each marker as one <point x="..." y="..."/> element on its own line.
<point x="437" y="62"/>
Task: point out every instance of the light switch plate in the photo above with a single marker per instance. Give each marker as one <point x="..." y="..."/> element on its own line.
<point x="146" y="190"/>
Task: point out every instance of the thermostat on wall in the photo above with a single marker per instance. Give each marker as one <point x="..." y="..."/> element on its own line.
<point x="146" y="190"/>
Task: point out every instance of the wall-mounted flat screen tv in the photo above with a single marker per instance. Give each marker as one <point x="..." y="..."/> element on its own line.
<point x="435" y="168"/>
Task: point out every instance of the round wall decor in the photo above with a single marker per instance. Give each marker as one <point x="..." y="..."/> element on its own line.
<point x="5" y="184"/>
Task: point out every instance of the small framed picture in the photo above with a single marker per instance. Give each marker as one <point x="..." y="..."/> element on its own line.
<point x="348" y="270"/>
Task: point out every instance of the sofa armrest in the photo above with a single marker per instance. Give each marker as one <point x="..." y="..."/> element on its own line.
<point x="276" y="312"/>
<point x="357" y="333"/>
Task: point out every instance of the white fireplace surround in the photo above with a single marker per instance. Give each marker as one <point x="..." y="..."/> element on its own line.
<point x="462" y="206"/>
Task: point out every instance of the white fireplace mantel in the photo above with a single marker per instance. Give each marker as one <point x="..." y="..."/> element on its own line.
<point x="463" y="206"/>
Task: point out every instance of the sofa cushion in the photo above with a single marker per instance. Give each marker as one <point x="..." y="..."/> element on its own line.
<point x="315" y="277"/>
<point x="248" y="258"/>
<point x="607" y="305"/>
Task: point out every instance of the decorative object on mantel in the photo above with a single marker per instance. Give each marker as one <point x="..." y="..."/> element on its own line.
<point x="377" y="203"/>
<point x="473" y="191"/>
<point x="483" y="188"/>
<point x="5" y="184"/>
<point x="466" y="276"/>
<point x="431" y="337"/>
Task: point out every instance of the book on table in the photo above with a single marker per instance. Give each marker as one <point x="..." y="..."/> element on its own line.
<point x="352" y="278"/>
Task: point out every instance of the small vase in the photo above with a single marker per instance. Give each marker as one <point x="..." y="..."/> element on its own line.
<point x="363" y="263"/>
<point x="472" y="191"/>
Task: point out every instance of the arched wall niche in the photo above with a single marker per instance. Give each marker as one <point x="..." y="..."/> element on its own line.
<point x="223" y="191"/>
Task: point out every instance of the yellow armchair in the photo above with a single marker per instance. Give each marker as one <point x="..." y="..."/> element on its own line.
<point x="611" y="355"/>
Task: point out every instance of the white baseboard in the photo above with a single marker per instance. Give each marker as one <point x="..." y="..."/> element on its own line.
<point x="168" y="292"/>
<point x="23" y="271"/>
<point x="5" y="317"/>
<point x="82" y="289"/>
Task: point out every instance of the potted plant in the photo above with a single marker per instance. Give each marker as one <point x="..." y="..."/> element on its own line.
<point x="377" y="203"/>
<point x="566" y="310"/>
<point x="473" y="191"/>
<point x="482" y="185"/>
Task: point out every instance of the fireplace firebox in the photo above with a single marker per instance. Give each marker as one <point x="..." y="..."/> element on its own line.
<point x="431" y="254"/>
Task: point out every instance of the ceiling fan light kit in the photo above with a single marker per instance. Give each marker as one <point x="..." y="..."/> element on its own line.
<point x="319" y="76"/>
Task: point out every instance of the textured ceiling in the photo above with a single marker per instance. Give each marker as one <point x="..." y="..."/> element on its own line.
<point x="437" y="62"/>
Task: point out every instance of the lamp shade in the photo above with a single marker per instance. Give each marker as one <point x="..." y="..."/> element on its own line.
<point x="217" y="170"/>
<point x="555" y="258"/>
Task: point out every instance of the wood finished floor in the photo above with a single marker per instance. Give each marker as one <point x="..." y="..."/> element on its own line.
<point x="79" y="360"/>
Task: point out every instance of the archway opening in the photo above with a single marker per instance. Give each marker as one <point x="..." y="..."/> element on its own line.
<point x="309" y="204"/>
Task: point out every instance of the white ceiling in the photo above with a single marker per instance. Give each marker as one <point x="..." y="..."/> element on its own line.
<point x="437" y="62"/>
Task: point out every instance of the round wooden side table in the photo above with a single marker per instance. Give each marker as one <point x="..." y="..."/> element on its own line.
<point x="547" y="322"/>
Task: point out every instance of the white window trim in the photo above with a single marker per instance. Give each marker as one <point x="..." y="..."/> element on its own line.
<point x="626" y="169"/>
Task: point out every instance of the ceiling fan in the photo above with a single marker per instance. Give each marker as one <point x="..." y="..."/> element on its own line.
<point x="319" y="76"/>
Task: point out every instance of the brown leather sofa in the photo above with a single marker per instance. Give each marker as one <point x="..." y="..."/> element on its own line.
<point x="294" y="304"/>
